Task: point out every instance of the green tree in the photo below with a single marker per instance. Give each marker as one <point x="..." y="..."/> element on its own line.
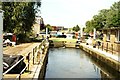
<point x="19" y="17"/>
<point x="89" y="26"/>
<point x="49" y="27"/>
<point x="76" y="28"/>
<point x="113" y="17"/>
<point x="105" y="19"/>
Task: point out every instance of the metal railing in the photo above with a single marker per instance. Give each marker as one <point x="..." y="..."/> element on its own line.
<point x="108" y="47"/>
<point x="34" y="50"/>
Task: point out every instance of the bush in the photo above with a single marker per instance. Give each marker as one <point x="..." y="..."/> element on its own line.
<point x="23" y="38"/>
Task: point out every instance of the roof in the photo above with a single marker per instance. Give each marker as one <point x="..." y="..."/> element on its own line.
<point x="112" y="28"/>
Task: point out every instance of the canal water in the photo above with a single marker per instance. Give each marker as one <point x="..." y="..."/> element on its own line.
<point x="75" y="63"/>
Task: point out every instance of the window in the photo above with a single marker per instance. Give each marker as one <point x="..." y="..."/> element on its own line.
<point x="118" y="39"/>
<point x="117" y="35"/>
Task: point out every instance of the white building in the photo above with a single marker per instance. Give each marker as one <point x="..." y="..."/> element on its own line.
<point x="36" y="29"/>
<point x="36" y="26"/>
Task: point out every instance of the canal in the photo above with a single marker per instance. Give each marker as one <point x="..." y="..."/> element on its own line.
<point x="75" y="63"/>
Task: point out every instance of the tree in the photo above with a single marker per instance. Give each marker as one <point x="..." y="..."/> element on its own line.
<point x="89" y="26"/>
<point x="105" y="19"/>
<point x="76" y="28"/>
<point x="113" y="17"/>
<point x="19" y="17"/>
<point x="49" y="27"/>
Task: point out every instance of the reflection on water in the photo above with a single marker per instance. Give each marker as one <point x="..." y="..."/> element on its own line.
<point x="73" y="63"/>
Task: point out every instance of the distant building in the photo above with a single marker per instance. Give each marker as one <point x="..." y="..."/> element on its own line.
<point x="66" y="29"/>
<point x="36" y="29"/>
<point x="39" y="20"/>
<point x="39" y="23"/>
<point x="57" y="28"/>
<point x="111" y="39"/>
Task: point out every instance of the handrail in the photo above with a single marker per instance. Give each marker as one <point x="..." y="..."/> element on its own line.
<point x="18" y="76"/>
<point x="28" y="54"/>
<point x="12" y="66"/>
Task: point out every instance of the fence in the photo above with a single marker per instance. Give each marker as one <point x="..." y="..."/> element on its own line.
<point x="108" y="47"/>
<point x="31" y="56"/>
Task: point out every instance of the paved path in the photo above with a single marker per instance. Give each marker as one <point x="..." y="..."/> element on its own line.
<point x="108" y="54"/>
<point x="19" y="49"/>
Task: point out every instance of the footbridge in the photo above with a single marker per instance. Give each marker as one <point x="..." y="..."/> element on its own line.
<point x="33" y="55"/>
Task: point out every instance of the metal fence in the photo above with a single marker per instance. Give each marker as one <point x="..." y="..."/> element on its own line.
<point x="29" y="58"/>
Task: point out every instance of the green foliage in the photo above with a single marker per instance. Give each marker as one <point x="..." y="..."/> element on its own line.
<point x="0" y="5"/>
<point x="113" y="17"/>
<point x="76" y="28"/>
<point x="105" y="19"/>
<point x="49" y="27"/>
<point x="19" y="17"/>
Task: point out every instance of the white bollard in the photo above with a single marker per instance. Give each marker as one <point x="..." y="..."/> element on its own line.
<point x="94" y="37"/>
<point x="1" y="43"/>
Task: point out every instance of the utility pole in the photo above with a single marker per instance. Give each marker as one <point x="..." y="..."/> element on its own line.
<point x="1" y="42"/>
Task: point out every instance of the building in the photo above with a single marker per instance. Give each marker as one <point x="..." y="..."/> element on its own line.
<point x="39" y="23"/>
<point x="57" y="28"/>
<point x="36" y="29"/>
<point x="111" y="39"/>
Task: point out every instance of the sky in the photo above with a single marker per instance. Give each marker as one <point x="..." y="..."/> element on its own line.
<point x="69" y="13"/>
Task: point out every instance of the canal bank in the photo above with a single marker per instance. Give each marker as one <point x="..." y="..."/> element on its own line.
<point x="107" y="58"/>
<point x="76" y="63"/>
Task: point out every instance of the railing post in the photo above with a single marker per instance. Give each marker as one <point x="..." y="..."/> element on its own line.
<point x="33" y="56"/>
<point x="28" y="61"/>
<point x="107" y="47"/>
<point x="20" y="77"/>
<point x="98" y="45"/>
<point x="112" y="48"/>
<point x="102" y="46"/>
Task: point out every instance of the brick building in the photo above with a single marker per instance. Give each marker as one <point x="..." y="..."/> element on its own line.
<point x="111" y="39"/>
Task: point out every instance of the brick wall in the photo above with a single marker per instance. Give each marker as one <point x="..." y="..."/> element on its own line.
<point x="112" y="45"/>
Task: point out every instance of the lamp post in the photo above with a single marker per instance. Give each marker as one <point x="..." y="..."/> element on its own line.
<point x="81" y="31"/>
<point x="1" y="42"/>
<point x="94" y="37"/>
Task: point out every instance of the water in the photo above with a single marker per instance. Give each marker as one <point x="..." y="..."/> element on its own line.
<point x="73" y="63"/>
